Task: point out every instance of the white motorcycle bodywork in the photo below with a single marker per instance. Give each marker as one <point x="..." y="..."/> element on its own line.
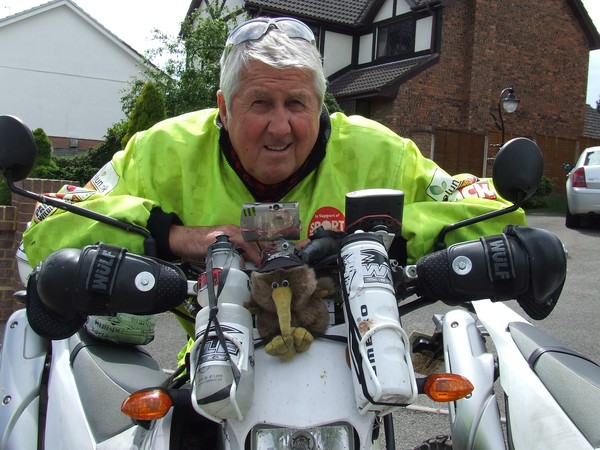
<point x="535" y="419"/>
<point x="83" y="412"/>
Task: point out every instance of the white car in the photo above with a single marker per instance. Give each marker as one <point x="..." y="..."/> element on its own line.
<point x="583" y="187"/>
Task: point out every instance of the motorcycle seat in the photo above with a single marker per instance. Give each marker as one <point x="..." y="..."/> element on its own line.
<point x="105" y="374"/>
<point x="572" y="379"/>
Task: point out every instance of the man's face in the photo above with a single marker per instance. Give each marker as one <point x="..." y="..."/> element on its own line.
<point x="273" y="122"/>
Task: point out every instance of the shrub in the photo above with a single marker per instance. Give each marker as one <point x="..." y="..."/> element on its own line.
<point x="540" y="198"/>
<point x="45" y="166"/>
<point x="149" y="109"/>
<point x="4" y="193"/>
<point x="331" y="103"/>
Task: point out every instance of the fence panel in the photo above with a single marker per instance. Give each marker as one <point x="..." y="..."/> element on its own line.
<point x="459" y="151"/>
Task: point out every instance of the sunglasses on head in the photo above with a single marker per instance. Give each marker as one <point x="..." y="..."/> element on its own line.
<point x="254" y="29"/>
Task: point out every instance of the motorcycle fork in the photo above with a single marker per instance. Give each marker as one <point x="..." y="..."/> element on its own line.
<point x="474" y="420"/>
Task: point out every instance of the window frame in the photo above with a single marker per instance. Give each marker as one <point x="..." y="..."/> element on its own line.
<point x="397" y="23"/>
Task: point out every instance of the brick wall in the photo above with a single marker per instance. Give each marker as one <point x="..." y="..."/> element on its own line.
<point x="13" y="221"/>
<point x="486" y="46"/>
<point x="7" y="258"/>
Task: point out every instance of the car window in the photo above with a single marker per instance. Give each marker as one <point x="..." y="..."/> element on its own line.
<point x="592" y="159"/>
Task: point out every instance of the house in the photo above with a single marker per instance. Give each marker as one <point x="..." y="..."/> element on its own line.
<point x="433" y="70"/>
<point x="62" y="71"/>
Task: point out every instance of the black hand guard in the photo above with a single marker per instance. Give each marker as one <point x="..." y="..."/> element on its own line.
<point x="528" y="264"/>
<point x="104" y="280"/>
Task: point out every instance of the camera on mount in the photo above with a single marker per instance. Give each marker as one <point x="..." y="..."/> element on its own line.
<point x="273" y="225"/>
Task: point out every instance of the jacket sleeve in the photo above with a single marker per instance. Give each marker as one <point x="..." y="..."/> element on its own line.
<point x="112" y="191"/>
<point x="435" y="199"/>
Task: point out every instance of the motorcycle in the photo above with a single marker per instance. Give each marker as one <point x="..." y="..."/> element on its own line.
<point x="64" y="388"/>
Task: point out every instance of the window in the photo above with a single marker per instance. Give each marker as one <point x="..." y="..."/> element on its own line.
<point x="592" y="159"/>
<point x="396" y="39"/>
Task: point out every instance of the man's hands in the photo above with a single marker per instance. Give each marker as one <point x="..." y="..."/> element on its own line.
<point x="192" y="242"/>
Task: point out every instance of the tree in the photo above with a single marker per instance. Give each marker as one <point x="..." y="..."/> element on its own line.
<point x="45" y="167"/>
<point x="149" y="109"/>
<point x="189" y="76"/>
<point x="331" y="103"/>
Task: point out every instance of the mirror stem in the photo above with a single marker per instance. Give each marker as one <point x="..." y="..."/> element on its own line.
<point x="149" y="242"/>
<point x="441" y="245"/>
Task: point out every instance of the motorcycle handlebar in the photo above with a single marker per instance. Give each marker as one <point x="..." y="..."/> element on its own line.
<point x="528" y="264"/>
<point x="525" y="263"/>
<point x="323" y="244"/>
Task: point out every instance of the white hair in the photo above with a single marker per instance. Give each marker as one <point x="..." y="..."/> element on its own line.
<point x="276" y="50"/>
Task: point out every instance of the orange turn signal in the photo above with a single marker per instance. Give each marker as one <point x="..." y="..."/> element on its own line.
<point x="147" y="404"/>
<point x="447" y="387"/>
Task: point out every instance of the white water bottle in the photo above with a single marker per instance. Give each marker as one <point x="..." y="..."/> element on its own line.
<point x="216" y="392"/>
<point x="383" y="374"/>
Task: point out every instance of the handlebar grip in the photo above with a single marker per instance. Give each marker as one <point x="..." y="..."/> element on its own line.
<point x="323" y="243"/>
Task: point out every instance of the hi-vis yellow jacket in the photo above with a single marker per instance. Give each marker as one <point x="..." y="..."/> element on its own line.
<point x="178" y="166"/>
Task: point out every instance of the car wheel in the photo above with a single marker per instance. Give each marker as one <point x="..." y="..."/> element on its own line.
<point x="572" y="221"/>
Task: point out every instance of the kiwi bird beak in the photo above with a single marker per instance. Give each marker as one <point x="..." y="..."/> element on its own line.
<point x="282" y="296"/>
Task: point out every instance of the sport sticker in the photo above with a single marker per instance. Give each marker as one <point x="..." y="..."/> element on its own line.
<point x="329" y="218"/>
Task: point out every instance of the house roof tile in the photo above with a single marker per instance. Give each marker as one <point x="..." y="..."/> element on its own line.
<point x="591" y="127"/>
<point x="372" y="80"/>
<point x="348" y="13"/>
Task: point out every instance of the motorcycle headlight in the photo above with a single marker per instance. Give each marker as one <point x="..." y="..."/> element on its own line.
<point x="329" y="437"/>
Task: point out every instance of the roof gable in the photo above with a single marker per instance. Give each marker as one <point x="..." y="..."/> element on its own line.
<point x="586" y="23"/>
<point x="29" y="13"/>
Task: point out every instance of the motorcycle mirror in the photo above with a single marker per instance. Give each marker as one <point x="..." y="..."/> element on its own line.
<point x="518" y="169"/>
<point x="17" y="148"/>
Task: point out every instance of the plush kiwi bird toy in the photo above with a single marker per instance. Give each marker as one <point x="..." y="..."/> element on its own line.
<point x="287" y="301"/>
